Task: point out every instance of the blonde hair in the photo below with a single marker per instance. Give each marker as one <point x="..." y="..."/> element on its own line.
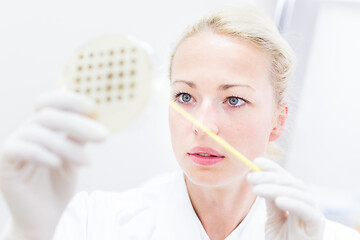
<point x="247" y="23"/>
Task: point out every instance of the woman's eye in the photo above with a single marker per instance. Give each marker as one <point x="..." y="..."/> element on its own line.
<point x="235" y="101"/>
<point x="185" y="97"/>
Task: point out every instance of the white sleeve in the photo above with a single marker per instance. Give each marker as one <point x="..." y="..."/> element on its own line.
<point x="337" y="231"/>
<point x="73" y="222"/>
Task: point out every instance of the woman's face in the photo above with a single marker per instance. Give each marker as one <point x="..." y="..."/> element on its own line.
<point x="225" y="84"/>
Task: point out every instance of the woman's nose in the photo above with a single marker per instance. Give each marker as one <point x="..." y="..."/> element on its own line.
<point x="207" y="116"/>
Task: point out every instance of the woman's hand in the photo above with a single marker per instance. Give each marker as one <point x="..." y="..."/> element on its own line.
<point x="291" y="210"/>
<point x="39" y="162"/>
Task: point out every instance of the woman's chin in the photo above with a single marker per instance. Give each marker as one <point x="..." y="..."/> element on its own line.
<point x="208" y="177"/>
<point x="216" y="175"/>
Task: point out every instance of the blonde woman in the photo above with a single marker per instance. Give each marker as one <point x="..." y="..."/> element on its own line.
<point x="230" y="71"/>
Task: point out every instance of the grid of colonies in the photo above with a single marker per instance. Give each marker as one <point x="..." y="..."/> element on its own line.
<point x="108" y="75"/>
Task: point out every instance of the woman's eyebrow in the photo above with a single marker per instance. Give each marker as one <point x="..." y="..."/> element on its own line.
<point x="191" y="84"/>
<point x="222" y="87"/>
<point x="227" y="86"/>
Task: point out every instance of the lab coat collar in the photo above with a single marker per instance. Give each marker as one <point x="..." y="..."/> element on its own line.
<point x="171" y="216"/>
<point x="177" y="219"/>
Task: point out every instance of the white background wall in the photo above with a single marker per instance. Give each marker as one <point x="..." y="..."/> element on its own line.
<point x="37" y="38"/>
<point x="325" y="150"/>
<point x="329" y="104"/>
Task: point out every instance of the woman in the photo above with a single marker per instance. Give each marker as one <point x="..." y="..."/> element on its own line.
<point x="230" y="71"/>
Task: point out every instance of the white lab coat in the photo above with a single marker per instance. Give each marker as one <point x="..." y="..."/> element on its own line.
<point x="161" y="210"/>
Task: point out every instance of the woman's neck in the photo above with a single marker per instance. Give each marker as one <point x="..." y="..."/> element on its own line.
<point x="221" y="209"/>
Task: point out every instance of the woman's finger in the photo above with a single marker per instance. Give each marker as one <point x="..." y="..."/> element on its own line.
<point x="66" y="100"/>
<point x="56" y="142"/>
<point x="265" y="177"/>
<point x="76" y="126"/>
<point x="273" y="191"/>
<point x="20" y="150"/>
<point x="266" y="164"/>
<point x="298" y="208"/>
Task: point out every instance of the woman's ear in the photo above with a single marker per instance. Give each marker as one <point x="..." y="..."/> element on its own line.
<point x="279" y="122"/>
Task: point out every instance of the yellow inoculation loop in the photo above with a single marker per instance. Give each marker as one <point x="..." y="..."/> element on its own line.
<point x="211" y="134"/>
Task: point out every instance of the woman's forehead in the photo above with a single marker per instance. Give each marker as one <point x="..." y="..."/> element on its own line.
<point x="210" y="40"/>
<point x="208" y="55"/>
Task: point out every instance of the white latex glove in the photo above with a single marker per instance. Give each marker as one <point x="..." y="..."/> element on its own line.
<point x="291" y="211"/>
<point x="39" y="163"/>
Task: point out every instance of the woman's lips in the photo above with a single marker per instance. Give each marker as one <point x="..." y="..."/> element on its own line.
<point x="205" y="156"/>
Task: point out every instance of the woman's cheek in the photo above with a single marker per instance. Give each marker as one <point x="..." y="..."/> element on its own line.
<point x="248" y="138"/>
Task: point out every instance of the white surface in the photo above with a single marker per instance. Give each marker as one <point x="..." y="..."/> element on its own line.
<point x="327" y="129"/>
<point x="37" y="39"/>
<point x="325" y="145"/>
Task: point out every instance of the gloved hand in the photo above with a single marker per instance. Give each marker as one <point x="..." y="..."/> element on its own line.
<point x="291" y="211"/>
<point x="39" y="163"/>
